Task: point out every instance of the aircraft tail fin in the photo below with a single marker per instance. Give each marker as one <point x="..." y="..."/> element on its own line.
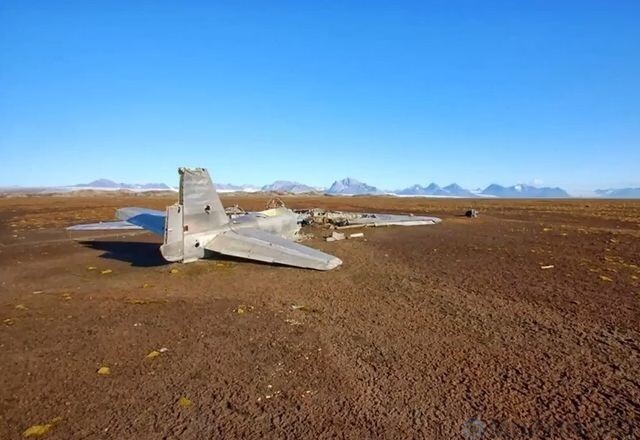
<point x="202" y="207"/>
<point x="198" y="210"/>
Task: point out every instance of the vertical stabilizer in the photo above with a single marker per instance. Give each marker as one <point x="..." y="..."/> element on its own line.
<point x="198" y="211"/>
<point x="203" y="210"/>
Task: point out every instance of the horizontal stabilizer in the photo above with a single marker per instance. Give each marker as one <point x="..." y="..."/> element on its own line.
<point x="148" y="219"/>
<point x="103" y="226"/>
<point x="255" y="244"/>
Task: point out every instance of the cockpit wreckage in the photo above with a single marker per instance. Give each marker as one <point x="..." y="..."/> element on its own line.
<point x="198" y="227"/>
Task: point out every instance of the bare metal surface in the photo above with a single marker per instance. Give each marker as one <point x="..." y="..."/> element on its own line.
<point x="259" y="245"/>
<point x="104" y="226"/>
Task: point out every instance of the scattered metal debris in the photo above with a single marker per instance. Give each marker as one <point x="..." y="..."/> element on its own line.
<point x="344" y="220"/>
<point x="305" y="309"/>
<point x="336" y="236"/>
<point x="234" y="211"/>
<point x="471" y="213"/>
<point x="357" y="235"/>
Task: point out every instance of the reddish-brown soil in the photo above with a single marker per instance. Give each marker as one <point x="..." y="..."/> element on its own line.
<point x="445" y="331"/>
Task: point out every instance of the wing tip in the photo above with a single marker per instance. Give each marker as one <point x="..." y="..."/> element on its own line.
<point x="332" y="263"/>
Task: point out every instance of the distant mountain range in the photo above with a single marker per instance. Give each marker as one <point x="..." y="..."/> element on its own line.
<point x="291" y="187"/>
<point x="110" y="184"/>
<point x="228" y="187"/>
<point x="619" y="193"/>
<point x="524" y="191"/>
<point x="433" y="189"/>
<point x="351" y="186"/>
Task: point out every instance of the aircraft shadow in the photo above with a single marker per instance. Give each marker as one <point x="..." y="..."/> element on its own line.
<point x="137" y="253"/>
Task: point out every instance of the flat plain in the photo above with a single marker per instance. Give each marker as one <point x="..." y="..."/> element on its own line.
<point x="521" y="323"/>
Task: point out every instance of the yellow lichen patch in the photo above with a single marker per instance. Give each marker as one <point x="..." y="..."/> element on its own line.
<point x="145" y="301"/>
<point x="547" y="229"/>
<point x="153" y="354"/>
<point x="224" y="264"/>
<point x="40" y="430"/>
<point x="184" y="402"/>
<point x="91" y="268"/>
<point x="242" y="309"/>
<point x="146" y="285"/>
<point x="104" y="371"/>
<point x="174" y="271"/>
<point x="106" y="271"/>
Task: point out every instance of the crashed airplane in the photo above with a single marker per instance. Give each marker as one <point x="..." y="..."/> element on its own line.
<point x="198" y="225"/>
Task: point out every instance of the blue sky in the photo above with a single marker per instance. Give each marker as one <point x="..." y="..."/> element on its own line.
<point x="392" y="93"/>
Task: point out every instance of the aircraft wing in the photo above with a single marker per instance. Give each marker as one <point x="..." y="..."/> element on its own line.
<point x="255" y="244"/>
<point x="130" y="218"/>
<point x="393" y="220"/>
